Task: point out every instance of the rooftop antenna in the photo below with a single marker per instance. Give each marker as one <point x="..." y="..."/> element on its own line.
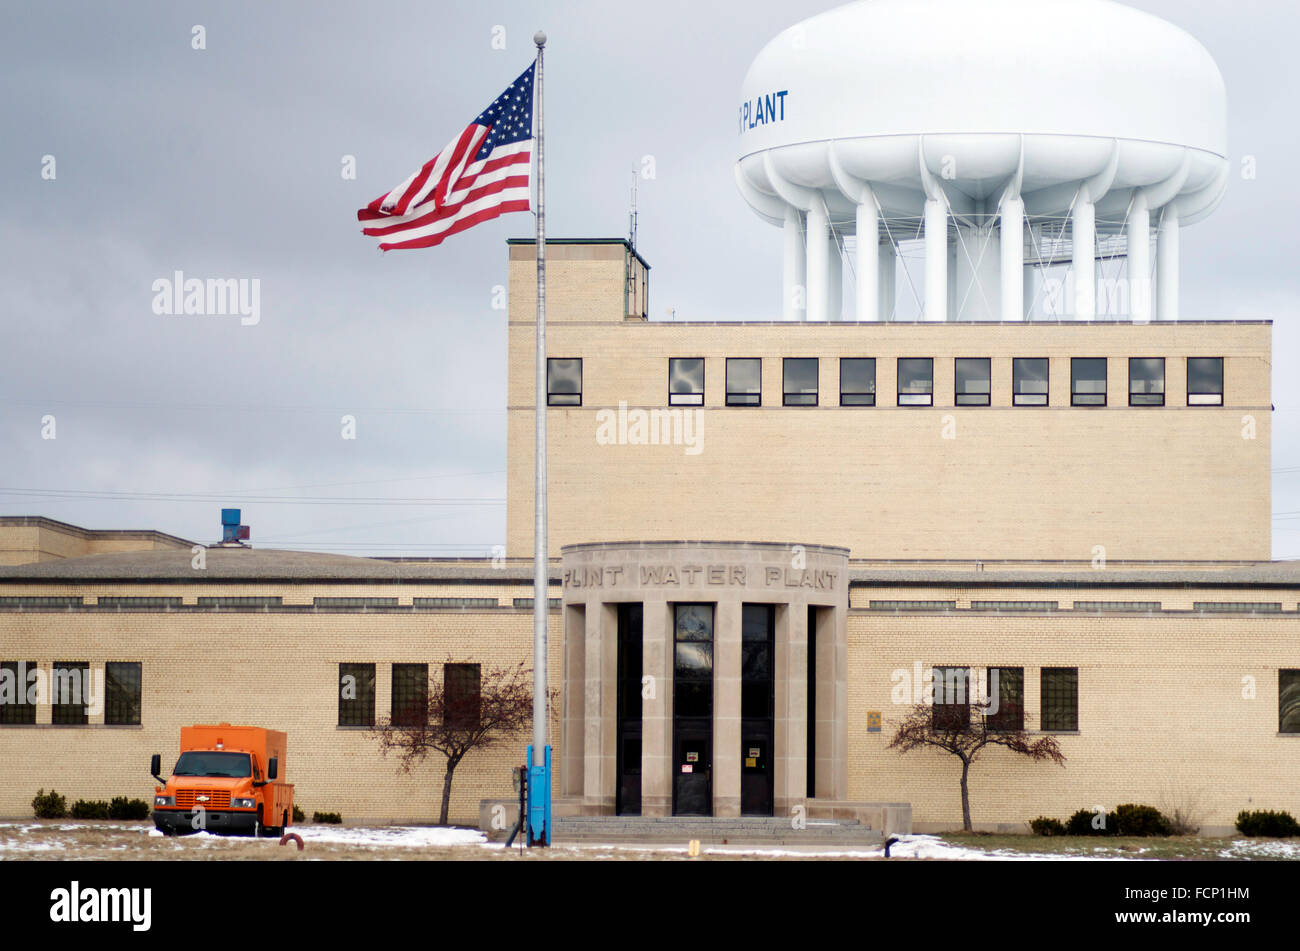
<point x="632" y="216"/>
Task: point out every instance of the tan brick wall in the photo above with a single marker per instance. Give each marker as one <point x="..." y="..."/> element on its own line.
<point x="266" y="669"/>
<point x="1162" y="717"/>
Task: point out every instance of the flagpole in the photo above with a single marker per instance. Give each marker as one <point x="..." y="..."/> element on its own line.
<point x="541" y="754"/>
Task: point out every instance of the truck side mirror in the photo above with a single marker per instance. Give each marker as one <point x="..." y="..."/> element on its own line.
<point x="155" y="765"/>
<point x="272" y="768"/>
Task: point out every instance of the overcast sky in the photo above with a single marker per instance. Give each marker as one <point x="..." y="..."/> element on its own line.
<point x="226" y="162"/>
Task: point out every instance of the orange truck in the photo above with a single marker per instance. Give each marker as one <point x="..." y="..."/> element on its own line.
<point x="226" y="781"/>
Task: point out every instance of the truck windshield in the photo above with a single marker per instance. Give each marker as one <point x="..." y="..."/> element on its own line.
<point x="206" y="763"/>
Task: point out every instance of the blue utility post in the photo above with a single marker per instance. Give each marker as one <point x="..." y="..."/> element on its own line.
<point x="539" y="800"/>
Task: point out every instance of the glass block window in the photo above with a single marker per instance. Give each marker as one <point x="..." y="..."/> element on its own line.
<point x="1007" y="684"/>
<point x="122" y="690"/>
<point x="951" y="698"/>
<point x="462" y="695"/>
<point x="356" y="694"/>
<point x="69" y="693"/>
<point x="1060" y="698"/>
<point x="410" y="694"/>
<point x="1288" y="701"/>
<point x="17" y="688"/>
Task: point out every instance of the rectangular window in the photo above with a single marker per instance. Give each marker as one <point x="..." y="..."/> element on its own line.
<point x="1205" y="381"/>
<point x="858" y="381"/>
<point x="951" y="698"/>
<point x="1288" y="701"/>
<point x="1029" y="379"/>
<point x="122" y="694"/>
<point x="1060" y="698"/>
<point x="1007" y="684"/>
<point x="686" y="381"/>
<point x="1088" y="381"/>
<point x="974" y="381"/>
<point x="563" y="382"/>
<point x="1146" y="381"/>
<point x="744" y="381"/>
<point x="800" y="381"/>
<point x="693" y="661"/>
<point x="757" y="634"/>
<point x="915" y="381"/>
<point x="410" y="704"/>
<point x="68" y="692"/>
<point x="462" y="696"/>
<point x="17" y="687"/>
<point x="356" y="694"/>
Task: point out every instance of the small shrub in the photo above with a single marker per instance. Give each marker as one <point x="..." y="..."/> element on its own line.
<point x="1045" y="826"/>
<point x="298" y="814"/>
<point x="1081" y="823"/>
<point x="123" y="808"/>
<point x="49" y="805"/>
<point x="1133" y="819"/>
<point x="327" y="818"/>
<point x="1263" y="822"/>
<point x="89" y="809"/>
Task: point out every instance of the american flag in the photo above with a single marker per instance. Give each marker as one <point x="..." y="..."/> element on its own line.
<point x="480" y="175"/>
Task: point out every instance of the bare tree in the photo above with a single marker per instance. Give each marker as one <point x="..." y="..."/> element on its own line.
<point x="954" y="725"/>
<point x="469" y="709"/>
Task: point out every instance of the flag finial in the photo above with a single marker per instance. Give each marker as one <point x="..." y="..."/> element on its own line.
<point x="539" y="38"/>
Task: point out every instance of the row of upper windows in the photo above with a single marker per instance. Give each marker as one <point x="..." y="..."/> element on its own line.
<point x="974" y="381"/>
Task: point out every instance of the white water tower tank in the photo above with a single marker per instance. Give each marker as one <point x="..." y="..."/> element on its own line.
<point x="1008" y="134"/>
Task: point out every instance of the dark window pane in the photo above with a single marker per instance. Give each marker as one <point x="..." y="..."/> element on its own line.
<point x="951" y="698"/>
<point x="17" y="687"/>
<point x="1205" y="381"/>
<point x="122" y="693"/>
<point x="1060" y="698"/>
<point x="1146" y="381"/>
<point x="974" y="381"/>
<point x="686" y="381"/>
<point x="1088" y="381"/>
<point x="694" y="622"/>
<point x="1029" y="381"/>
<point x="756" y="699"/>
<point x="564" y="382"/>
<point x="410" y="704"/>
<point x="744" y="381"/>
<point x="68" y="692"/>
<point x="1288" y="701"/>
<point x="915" y="381"/>
<point x="694" y="660"/>
<point x="461" y="696"/>
<point x="356" y="694"/>
<point x="858" y="381"/>
<point x="1007" y="684"/>
<point x="800" y="381"/>
<point x="692" y="699"/>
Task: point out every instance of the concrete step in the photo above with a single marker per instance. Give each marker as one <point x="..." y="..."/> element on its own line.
<point x="620" y="830"/>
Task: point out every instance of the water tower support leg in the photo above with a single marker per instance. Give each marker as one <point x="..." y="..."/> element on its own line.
<point x="888" y="277"/>
<point x="1085" y="259"/>
<point x="868" y="269"/>
<point x="794" y="291"/>
<point x="1139" y="260"/>
<point x="1013" y="259"/>
<point x="936" y="260"/>
<point x="819" y="236"/>
<point x="1167" y="254"/>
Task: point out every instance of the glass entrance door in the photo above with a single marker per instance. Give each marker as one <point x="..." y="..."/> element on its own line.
<point x="693" y="709"/>
<point x="757" y="706"/>
<point x="629" y="709"/>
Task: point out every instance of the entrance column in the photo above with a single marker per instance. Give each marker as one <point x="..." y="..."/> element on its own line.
<point x="657" y="711"/>
<point x="726" y="709"/>
<point x="790" y="726"/>
<point x="600" y="736"/>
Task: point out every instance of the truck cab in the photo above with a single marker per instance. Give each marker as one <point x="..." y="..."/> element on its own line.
<point x="227" y="780"/>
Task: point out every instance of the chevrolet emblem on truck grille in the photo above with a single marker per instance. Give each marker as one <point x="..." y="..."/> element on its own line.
<point x="202" y="798"/>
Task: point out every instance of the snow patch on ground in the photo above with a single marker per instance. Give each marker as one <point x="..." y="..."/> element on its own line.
<point x="1262" y="849"/>
<point x="404" y="836"/>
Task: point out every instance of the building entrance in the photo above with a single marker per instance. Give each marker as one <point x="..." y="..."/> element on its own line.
<point x="757" y="705"/>
<point x="693" y="709"/>
<point x="630" y="641"/>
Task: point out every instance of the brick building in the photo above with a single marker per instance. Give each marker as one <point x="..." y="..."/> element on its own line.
<point x="786" y="527"/>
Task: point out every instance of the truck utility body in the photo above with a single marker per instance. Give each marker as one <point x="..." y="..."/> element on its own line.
<point x="226" y="780"/>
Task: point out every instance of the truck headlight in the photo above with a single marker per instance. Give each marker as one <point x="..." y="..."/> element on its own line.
<point x="243" y="803"/>
<point x="164" y="800"/>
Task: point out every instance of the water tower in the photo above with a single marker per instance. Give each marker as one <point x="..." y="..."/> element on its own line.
<point x="1006" y="135"/>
